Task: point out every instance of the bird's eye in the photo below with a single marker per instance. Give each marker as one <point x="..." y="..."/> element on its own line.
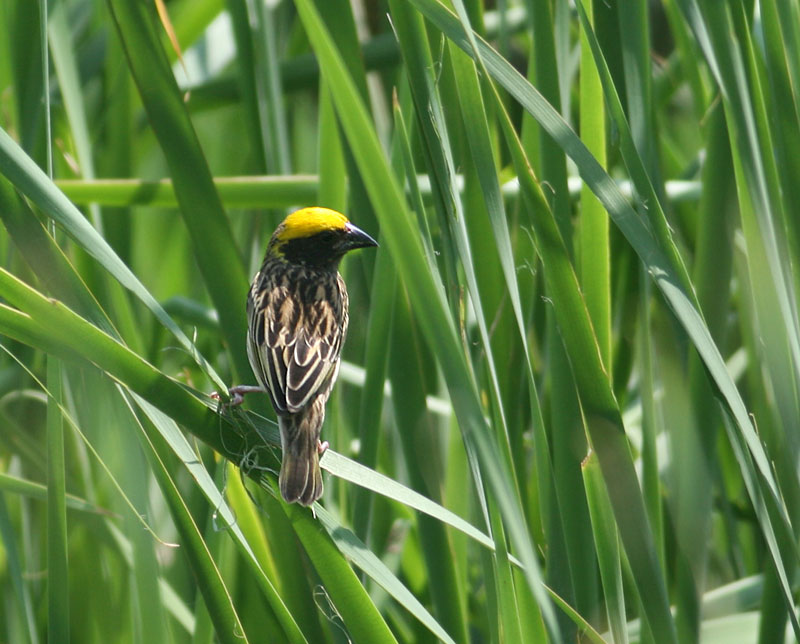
<point x="327" y="236"/>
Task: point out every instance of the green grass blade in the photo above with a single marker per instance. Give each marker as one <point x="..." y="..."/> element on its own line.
<point x="33" y="490"/>
<point x="636" y="59"/>
<point x="57" y="563"/>
<point x="359" y="614"/>
<point x="606" y="540"/>
<point x="544" y="72"/>
<point x="249" y="83"/>
<point x="147" y="608"/>
<point x="382" y="303"/>
<point x="190" y="19"/>
<point x="285" y="572"/>
<point x="595" y="264"/>
<point x="282" y="191"/>
<point x="266" y="81"/>
<point x="782" y="60"/>
<point x="66" y="68"/>
<point x="24" y="607"/>
<point x="58" y="619"/>
<point x="711" y="275"/>
<point x="354" y="472"/>
<point x="506" y="604"/>
<point x="216" y="253"/>
<point x="270" y="191"/>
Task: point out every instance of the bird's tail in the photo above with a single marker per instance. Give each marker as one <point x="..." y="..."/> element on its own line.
<point x="300" y="479"/>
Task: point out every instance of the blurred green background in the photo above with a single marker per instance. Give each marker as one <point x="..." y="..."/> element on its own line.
<point x="568" y="408"/>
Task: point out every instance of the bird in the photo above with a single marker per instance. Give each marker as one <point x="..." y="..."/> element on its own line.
<point x="298" y="314"/>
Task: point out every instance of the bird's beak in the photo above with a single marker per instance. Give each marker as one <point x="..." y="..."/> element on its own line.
<point x="357" y="238"/>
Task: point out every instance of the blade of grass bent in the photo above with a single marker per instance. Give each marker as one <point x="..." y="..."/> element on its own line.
<point x="79" y="338"/>
<point x="27" y="177"/>
<point x="103" y="356"/>
<point x="49" y="325"/>
<point x="46" y="258"/>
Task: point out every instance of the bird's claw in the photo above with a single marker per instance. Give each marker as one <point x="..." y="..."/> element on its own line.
<point x="237" y="394"/>
<point x="322" y="447"/>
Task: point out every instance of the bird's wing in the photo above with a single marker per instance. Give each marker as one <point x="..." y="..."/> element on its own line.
<point x="295" y="347"/>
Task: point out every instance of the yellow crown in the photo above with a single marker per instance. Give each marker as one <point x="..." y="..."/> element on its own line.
<point x="310" y="221"/>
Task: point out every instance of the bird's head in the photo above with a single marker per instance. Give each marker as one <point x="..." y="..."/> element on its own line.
<point x="316" y="237"/>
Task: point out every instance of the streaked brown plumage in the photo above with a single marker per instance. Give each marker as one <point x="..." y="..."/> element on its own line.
<point x="297" y="310"/>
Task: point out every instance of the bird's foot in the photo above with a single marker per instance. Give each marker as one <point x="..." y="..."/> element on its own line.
<point x="238" y="393"/>
<point x="322" y="447"/>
